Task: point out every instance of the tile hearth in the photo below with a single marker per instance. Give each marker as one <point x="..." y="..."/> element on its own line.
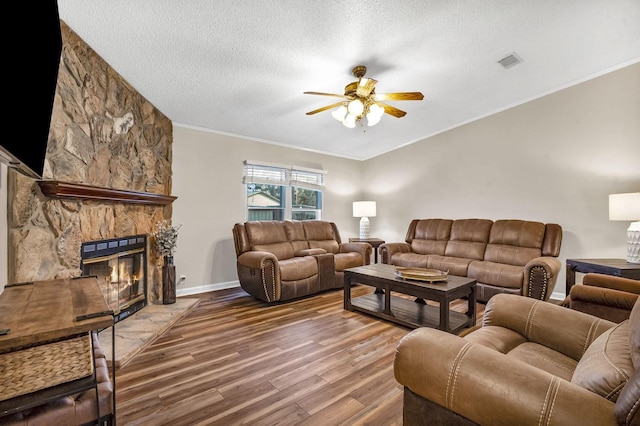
<point x="136" y="332"/>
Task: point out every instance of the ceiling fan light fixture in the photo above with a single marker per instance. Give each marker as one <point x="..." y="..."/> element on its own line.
<point x="356" y="107"/>
<point x="340" y="113"/>
<point x="373" y="119"/>
<point x="361" y="103"/>
<point x="349" y="121"/>
<point x="375" y="110"/>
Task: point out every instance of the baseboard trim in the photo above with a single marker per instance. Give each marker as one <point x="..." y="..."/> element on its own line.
<point x="206" y="288"/>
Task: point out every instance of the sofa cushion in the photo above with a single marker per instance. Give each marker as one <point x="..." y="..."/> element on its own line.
<point x="606" y="365"/>
<point x="430" y="236"/>
<point x="320" y="234"/>
<point x="514" y="242"/>
<point x="298" y="268"/>
<point x="498" y="274"/>
<point x="347" y="260"/>
<point x="469" y="238"/>
<point x="411" y="260"/>
<point x="269" y="236"/>
<point x="295" y="235"/>
<point x="453" y="265"/>
<point x="545" y="358"/>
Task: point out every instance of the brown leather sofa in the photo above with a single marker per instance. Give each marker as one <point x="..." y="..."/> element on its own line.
<point x="76" y="409"/>
<point x="604" y="296"/>
<point x="283" y="260"/>
<point x="505" y="256"/>
<point x="529" y="363"/>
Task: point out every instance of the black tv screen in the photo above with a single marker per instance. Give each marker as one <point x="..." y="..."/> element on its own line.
<point x="34" y="53"/>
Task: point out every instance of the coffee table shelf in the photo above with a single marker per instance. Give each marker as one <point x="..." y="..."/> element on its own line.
<point x="408" y="312"/>
<point x="382" y="303"/>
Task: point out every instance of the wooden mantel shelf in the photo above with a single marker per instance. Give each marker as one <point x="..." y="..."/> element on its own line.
<point x="57" y="189"/>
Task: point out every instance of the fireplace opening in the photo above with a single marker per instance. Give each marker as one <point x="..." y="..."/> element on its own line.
<point x="120" y="265"/>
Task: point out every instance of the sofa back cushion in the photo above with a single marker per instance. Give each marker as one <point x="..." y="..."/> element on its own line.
<point x="469" y="238"/>
<point x="295" y="234"/>
<point x="320" y="234"/>
<point x="514" y="242"/>
<point x="606" y="365"/>
<point x="552" y="240"/>
<point x="269" y="236"/>
<point x="429" y="236"/>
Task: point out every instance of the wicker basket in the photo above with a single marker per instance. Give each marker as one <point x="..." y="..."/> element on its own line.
<point x="39" y="367"/>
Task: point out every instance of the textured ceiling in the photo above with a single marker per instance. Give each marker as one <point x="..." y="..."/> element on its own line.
<point x="240" y="67"/>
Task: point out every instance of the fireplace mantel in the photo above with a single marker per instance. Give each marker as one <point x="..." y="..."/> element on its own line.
<point x="58" y="189"/>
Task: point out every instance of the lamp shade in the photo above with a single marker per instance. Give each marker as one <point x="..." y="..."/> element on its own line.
<point x="624" y="206"/>
<point x="364" y="209"/>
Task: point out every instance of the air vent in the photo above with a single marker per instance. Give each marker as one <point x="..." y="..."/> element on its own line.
<point x="510" y="60"/>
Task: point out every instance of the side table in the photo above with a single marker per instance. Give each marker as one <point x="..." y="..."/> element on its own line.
<point x="615" y="267"/>
<point x="375" y="243"/>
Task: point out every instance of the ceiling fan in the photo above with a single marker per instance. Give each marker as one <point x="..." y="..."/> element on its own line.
<point x="362" y="103"/>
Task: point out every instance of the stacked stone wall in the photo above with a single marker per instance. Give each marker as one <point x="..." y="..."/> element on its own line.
<point x="103" y="133"/>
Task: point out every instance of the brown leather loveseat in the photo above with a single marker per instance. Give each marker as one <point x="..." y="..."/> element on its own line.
<point x="283" y="260"/>
<point x="505" y="256"/>
<point x="529" y="363"/>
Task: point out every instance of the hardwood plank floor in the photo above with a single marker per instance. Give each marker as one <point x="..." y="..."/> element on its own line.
<point x="235" y="360"/>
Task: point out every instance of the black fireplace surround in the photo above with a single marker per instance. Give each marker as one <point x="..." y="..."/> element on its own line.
<point x="120" y="265"/>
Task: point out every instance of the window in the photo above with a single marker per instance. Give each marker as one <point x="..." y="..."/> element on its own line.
<point x="276" y="192"/>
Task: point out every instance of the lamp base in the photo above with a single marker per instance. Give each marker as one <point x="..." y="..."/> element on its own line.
<point x="633" y="243"/>
<point x="364" y="228"/>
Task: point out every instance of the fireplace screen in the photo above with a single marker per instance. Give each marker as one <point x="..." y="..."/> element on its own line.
<point x="120" y="267"/>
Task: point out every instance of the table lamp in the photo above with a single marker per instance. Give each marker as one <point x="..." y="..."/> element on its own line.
<point x="364" y="210"/>
<point x="627" y="207"/>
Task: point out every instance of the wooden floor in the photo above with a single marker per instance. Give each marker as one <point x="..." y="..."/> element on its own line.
<point x="234" y="360"/>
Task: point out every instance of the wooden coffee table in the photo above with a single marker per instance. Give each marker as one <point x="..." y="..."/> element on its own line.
<point x="410" y="313"/>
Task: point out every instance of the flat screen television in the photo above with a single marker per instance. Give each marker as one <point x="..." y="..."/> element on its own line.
<point x="36" y="66"/>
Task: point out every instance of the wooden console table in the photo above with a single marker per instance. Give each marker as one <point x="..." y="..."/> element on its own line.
<point x="615" y="267"/>
<point x="39" y="313"/>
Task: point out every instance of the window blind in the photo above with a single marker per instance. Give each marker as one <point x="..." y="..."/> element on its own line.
<point x="274" y="174"/>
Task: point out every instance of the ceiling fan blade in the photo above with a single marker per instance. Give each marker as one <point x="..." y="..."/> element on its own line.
<point x="329" y="94"/>
<point x="400" y="96"/>
<point x="315" y="111"/>
<point x="392" y="110"/>
<point x="365" y="87"/>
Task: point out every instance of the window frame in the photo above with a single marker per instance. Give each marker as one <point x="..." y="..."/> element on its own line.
<point x="289" y="178"/>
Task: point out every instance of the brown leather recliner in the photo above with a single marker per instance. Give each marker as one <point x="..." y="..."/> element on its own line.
<point x="604" y="296"/>
<point x="530" y="362"/>
<point x="283" y="260"/>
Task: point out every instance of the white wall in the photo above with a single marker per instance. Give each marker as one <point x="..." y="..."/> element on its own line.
<point x="207" y="179"/>
<point x="554" y="159"/>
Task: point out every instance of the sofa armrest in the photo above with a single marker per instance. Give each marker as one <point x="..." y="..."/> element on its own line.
<point x="364" y="249"/>
<point x="540" y="276"/>
<point x="470" y="379"/>
<point x="387" y="250"/>
<point x="541" y="322"/>
<point x="611" y="304"/>
<point x="259" y="275"/>
<point x="257" y="259"/>
<point x="612" y="282"/>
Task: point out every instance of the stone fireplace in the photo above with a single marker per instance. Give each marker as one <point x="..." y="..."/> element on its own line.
<point x="107" y="174"/>
<point x="120" y="266"/>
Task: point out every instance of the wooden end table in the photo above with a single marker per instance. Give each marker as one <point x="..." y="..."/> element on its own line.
<point x="615" y="267"/>
<point x="407" y="312"/>
<point x="375" y="243"/>
<point x="41" y="312"/>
